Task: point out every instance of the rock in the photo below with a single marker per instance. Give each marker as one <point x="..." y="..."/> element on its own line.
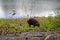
<point x="53" y="37"/>
<point x="38" y="34"/>
<point x="23" y="36"/>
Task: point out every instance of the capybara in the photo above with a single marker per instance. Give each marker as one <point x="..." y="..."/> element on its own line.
<point x="33" y="22"/>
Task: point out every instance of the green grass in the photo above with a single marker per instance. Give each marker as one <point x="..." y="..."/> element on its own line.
<point x="13" y="25"/>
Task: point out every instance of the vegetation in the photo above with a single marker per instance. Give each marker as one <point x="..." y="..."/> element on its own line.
<point x="18" y="25"/>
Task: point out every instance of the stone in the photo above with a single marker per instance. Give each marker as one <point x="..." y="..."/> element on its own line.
<point x="53" y="37"/>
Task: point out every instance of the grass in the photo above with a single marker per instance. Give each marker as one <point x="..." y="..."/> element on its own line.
<point x="20" y="25"/>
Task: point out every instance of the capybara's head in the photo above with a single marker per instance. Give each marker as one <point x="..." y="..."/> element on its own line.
<point x="37" y="24"/>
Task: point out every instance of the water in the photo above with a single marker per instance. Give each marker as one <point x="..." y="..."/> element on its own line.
<point x="28" y="7"/>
